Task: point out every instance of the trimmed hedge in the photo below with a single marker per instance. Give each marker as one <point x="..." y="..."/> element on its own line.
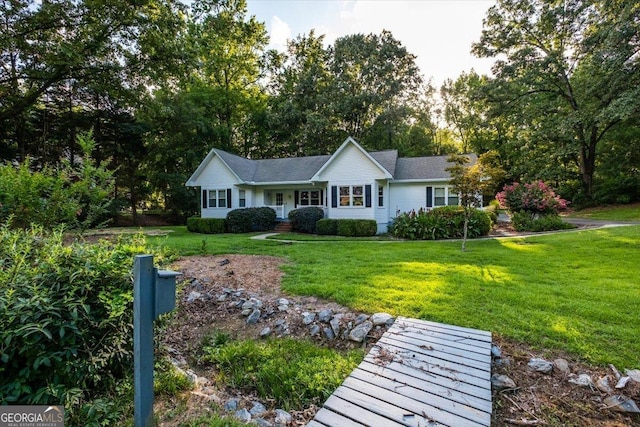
<point x="446" y="222"/>
<point x="357" y="227"/>
<point x="195" y="224"/>
<point x="246" y="220"/>
<point x="303" y="220"/>
<point x="327" y="227"/>
<point x="523" y="221"/>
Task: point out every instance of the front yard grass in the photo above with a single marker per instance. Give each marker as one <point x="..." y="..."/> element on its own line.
<point x="612" y="213"/>
<point x="575" y="291"/>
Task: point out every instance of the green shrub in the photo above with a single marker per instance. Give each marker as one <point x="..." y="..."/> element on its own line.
<point x="522" y="221"/>
<point x="168" y="381"/>
<point x="65" y="329"/>
<point x="327" y="227"/>
<point x="246" y="220"/>
<point x="293" y="373"/>
<point x="445" y="222"/>
<point x="357" y="227"/>
<point x="195" y="224"/>
<point x="304" y="220"/>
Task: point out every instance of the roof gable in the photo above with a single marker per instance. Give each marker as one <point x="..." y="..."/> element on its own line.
<point x="351" y="142"/>
<point x="224" y="158"/>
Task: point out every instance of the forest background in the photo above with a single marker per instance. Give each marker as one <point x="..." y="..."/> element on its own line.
<point x="158" y="83"/>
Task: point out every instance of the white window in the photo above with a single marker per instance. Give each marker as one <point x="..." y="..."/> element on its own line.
<point x="352" y="195"/>
<point x="310" y="198"/>
<point x="279" y="199"/>
<point x="242" y="199"/>
<point x="439" y="196"/>
<point x="217" y="199"/>
<point x="452" y="199"/>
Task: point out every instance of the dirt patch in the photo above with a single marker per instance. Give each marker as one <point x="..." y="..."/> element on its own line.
<point x="538" y="399"/>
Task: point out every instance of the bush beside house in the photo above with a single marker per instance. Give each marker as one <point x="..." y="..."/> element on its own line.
<point x="304" y="220"/>
<point x="195" y="224"/>
<point x="444" y="222"/>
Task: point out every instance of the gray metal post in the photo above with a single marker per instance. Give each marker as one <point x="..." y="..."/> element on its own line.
<point x="143" y="315"/>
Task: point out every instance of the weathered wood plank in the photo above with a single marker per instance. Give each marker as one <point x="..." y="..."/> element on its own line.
<point x="314" y="423"/>
<point x="475" y="347"/>
<point x="479" y="333"/>
<point x="330" y="418"/>
<point x="345" y="404"/>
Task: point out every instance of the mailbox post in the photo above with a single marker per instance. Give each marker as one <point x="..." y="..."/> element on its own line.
<point x="154" y="293"/>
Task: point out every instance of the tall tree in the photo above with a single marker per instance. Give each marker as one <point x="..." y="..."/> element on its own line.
<point x="572" y="66"/>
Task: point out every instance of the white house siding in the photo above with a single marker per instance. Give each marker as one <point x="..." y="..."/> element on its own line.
<point x="216" y="176"/>
<point x="408" y="196"/>
<point x="382" y="213"/>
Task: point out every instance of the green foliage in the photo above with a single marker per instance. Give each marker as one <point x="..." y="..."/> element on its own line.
<point x="357" y="227"/>
<point x="536" y="198"/>
<point x="303" y="220"/>
<point x="445" y="222"/>
<point x="65" y="332"/>
<point x="214" y="421"/>
<point x="327" y="227"/>
<point x="168" y="381"/>
<point x="522" y="221"/>
<point x="195" y="224"/>
<point x="246" y="220"/>
<point x="295" y="374"/>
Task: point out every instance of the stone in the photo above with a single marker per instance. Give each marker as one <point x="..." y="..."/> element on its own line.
<point x="283" y="307"/>
<point x="262" y="422"/>
<point x="325" y="315"/>
<point x="496" y="353"/>
<point x="603" y="385"/>
<point x="308" y="318"/>
<point x="222" y="297"/>
<point x="280" y="322"/>
<point x="315" y="330"/>
<point x="247" y="311"/>
<point x="231" y="404"/>
<point x="253" y="317"/>
<point x="361" y="318"/>
<point x="328" y="333"/>
<point x="583" y="380"/>
<point x="622" y="404"/>
<point x="360" y="332"/>
<point x="540" y="365"/>
<point x="265" y="332"/>
<point x="257" y="409"/>
<point x="283" y="301"/>
<point x="562" y="365"/>
<point x="634" y="374"/>
<point x="335" y="326"/>
<point x="243" y="415"/>
<point x="224" y="262"/>
<point x="382" y="319"/>
<point x="193" y="296"/>
<point x="502" y="382"/>
<point x="622" y="382"/>
<point x="248" y="305"/>
<point x="227" y="290"/>
<point x="283" y="417"/>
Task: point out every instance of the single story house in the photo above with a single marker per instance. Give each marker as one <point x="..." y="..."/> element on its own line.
<point x="350" y="183"/>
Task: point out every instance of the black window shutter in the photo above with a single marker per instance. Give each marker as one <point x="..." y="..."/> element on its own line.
<point x="367" y="196"/>
<point x="228" y="198"/>
<point x="322" y="198"/>
<point x="429" y="197"/>
<point x="296" y="197"/>
<point x="204" y="199"/>
<point x="334" y="196"/>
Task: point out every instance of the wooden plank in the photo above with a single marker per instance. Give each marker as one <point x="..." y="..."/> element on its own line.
<point x="343" y="403"/>
<point x="435" y="377"/>
<point x="373" y="404"/>
<point x="410" y="404"/>
<point x="482" y="335"/>
<point x="454" y="342"/>
<point x="314" y="423"/>
<point x="447" y="391"/>
<point x="427" y="361"/>
<point x="330" y="418"/>
<point x="421" y="347"/>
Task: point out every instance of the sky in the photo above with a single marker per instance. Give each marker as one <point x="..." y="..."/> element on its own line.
<point x="438" y="32"/>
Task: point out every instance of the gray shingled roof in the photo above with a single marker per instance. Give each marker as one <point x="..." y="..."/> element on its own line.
<point x="296" y="169"/>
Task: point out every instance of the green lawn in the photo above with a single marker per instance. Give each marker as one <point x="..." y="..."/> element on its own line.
<point x="576" y="291"/>
<point x="612" y="213"/>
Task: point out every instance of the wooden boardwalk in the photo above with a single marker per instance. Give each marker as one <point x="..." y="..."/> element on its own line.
<point x="419" y="374"/>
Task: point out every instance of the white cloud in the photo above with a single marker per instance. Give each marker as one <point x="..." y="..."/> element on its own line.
<point x="279" y="34"/>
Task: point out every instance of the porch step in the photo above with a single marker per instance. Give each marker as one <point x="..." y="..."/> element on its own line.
<point x="284" y="227"/>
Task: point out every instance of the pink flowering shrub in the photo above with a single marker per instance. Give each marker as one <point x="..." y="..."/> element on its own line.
<point x="536" y="199"/>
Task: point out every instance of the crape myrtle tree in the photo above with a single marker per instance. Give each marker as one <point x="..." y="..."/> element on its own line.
<point x="570" y="70"/>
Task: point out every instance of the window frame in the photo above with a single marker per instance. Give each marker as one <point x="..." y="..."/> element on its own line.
<point x="216" y="195"/>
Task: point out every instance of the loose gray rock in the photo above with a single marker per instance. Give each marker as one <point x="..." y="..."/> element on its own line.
<point x="361" y="318"/>
<point x="540" y="365"/>
<point x="222" y="297"/>
<point x="308" y="318"/>
<point x="231" y="404"/>
<point x="381" y="319"/>
<point x="360" y="332"/>
<point x="243" y="415"/>
<point x="496" y="353"/>
<point x="253" y="317"/>
<point x="248" y="305"/>
<point x="283" y="307"/>
<point x="193" y="296"/>
<point x="335" y="326"/>
<point x="583" y="380"/>
<point x="265" y="332"/>
<point x="257" y="409"/>
<point x="634" y="374"/>
<point x="328" y="333"/>
<point x="224" y="262"/>
<point x="562" y="365"/>
<point x="262" y="423"/>
<point x="622" y="404"/>
<point x="622" y="383"/>
<point x="283" y="417"/>
<point x="283" y="301"/>
<point x="603" y="385"/>
<point x="315" y="330"/>
<point x="325" y="315"/>
<point x="247" y="311"/>
<point x="502" y="382"/>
